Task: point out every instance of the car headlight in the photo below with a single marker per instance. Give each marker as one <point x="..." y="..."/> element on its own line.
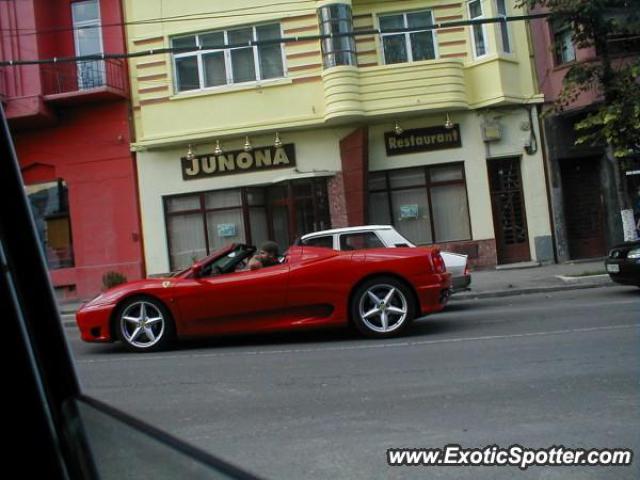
<point x="635" y="253"/>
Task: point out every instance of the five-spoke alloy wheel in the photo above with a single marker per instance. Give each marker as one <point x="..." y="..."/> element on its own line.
<point x="382" y="307"/>
<point x="144" y="324"/>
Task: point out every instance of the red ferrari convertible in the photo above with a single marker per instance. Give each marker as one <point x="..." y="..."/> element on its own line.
<point x="379" y="291"/>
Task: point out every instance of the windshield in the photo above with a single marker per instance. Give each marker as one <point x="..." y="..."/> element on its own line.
<point x="204" y="138"/>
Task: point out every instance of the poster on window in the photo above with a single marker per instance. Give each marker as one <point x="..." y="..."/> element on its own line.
<point x="408" y="212"/>
<point x="226" y="230"/>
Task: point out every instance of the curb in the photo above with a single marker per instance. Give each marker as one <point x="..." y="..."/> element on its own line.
<point x="512" y="292"/>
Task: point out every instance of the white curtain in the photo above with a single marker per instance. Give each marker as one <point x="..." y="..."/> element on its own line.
<point x="450" y="213"/>
<point x="186" y="237"/>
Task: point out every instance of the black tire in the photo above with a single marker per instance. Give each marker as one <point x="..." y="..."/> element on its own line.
<point x="363" y="302"/>
<point x="156" y="332"/>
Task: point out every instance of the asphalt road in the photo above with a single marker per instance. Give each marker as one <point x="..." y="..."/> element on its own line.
<point x="536" y="370"/>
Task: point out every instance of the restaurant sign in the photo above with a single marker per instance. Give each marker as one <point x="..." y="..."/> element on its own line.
<point x="422" y="140"/>
<point x="239" y="161"/>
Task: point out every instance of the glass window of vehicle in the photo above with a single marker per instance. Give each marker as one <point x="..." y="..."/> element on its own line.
<point x="501" y="8"/>
<point x="228" y="57"/>
<point x="326" y="241"/>
<point x="425" y="204"/>
<point x="478" y="31"/>
<point x="50" y="208"/>
<point x="564" y="50"/>
<point x="418" y="43"/>
<point x="340" y="49"/>
<point x="360" y="241"/>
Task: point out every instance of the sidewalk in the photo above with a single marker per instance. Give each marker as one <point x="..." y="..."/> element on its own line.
<point x="548" y="278"/>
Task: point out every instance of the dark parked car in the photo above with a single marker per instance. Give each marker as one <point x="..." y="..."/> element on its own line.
<point x="623" y="263"/>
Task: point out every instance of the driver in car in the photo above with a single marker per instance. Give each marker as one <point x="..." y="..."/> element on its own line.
<point x="267" y="256"/>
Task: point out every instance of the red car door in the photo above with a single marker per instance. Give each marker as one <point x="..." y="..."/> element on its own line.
<point x="234" y="302"/>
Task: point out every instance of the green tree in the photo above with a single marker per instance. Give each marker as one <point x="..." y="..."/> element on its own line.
<point x="613" y="123"/>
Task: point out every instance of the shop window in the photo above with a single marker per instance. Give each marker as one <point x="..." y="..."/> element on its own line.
<point x="227" y="57"/>
<point x="564" y="50"/>
<point x="418" y="43"/>
<point x="478" y="31"/>
<point x="425" y="204"/>
<point x="50" y="209"/>
<point x="340" y="49"/>
<point x="501" y="8"/>
<point x="360" y="241"/>
<point x="199" y="224"/>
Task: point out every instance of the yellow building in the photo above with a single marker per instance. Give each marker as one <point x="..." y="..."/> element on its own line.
<point x="432" y="130"/>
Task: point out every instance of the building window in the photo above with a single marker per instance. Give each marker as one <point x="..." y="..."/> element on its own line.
<point x="501" y="8"/>
<point x="478" y="31"/>
<point x="227" y="57"/>
<point x="425" y="204"/>
<point x="339" y="50"/>
<point x="199" y="224"/>
<point x="87" y="35"/>
<point x="564" y="49"/>
<point x="50" y="209"/>
<point x="411" y="46"/>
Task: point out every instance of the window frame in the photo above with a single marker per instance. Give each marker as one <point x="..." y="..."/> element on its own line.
<point x="483" y="28"/>
<point x="198" y="52"/>
<point x="407" y="36"/>
<point x="504" y="25"/>
<point x="427" y="186"/>
<point x="556" y="30"/>
<point x="96" y="24"/>
<point x="329" y="58"/>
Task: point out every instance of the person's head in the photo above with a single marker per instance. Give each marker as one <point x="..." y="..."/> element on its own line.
<point x="270" y="248"/>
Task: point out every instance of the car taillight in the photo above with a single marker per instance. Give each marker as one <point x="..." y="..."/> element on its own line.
<point x="467" y="270"/>
<point x="438" y="262"/>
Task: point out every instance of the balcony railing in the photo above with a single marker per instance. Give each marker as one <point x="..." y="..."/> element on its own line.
<point x="91" y="79"/>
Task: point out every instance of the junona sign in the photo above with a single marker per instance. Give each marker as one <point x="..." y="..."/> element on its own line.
<point x="422" y="140"/>
<point x="239" y="161"/>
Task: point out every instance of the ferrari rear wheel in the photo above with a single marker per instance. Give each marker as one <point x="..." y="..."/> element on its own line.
<point x="382" y="307"/>
<point x="144" y="325"/>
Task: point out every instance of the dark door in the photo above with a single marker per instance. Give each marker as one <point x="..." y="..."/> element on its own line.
<point x="507" y="203"/>
<point x="583" y="207"/>
<point x="296" y="208"/>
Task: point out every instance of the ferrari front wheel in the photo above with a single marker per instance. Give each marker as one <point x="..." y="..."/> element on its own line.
<point x="145" y="324"/>
<point x="382" y="307"/>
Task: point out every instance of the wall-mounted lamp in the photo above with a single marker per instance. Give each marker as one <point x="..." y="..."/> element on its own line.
<point x="190" y="155"/>
<point x="276" y="141"/>
<point x="448" y="124"/>
<point x="247" y="144"/>
<point x="398" y="129"/>
<point x="218" y="149"/>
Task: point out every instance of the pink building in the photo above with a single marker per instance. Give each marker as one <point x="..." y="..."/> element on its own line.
<point x="582" y="184"/>
<point x="70" y="125"/>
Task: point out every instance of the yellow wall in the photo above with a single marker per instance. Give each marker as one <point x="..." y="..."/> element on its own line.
<point x="309" y="96"/>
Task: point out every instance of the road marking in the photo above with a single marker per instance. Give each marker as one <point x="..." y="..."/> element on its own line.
<point x="130" y="358"/>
